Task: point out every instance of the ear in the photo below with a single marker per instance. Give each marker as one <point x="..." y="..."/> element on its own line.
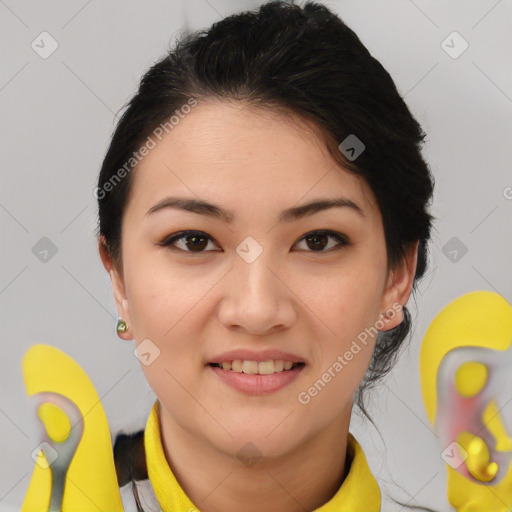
<point x="399" y="288"/>
<point x="118" y="287"/>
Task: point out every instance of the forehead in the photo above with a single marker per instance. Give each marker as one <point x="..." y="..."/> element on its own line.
<point x="220" y="149"/>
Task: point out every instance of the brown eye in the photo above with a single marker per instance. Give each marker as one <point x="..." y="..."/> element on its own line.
<point x="192" y="241"/>
<point x="318" y="240"/>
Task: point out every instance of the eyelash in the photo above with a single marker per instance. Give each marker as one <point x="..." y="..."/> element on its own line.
<point x="169" y="240"/>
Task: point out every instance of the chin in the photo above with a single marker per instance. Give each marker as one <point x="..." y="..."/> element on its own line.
<point x="270" y="441"/>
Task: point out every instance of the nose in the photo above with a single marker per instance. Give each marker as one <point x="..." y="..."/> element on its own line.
<point x="257" y="298"/>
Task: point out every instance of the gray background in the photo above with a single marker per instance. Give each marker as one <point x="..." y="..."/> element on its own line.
<point x="58" y="114"/>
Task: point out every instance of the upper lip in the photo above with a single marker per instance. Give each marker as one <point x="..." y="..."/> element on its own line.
<point x="259" y="356"/>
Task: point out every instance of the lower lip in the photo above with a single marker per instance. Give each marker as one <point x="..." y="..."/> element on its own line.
<point x="257" y="384"/>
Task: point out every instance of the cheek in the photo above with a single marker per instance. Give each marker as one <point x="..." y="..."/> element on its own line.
<point x="160" y="294"/>
<point x="162" y="311"/>
<point x="346" y="300"/>
<point x="348" y="305"/>
<point x="327" y="394"/>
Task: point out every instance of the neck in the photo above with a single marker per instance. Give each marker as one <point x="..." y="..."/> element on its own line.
<point x="300" y="481"/>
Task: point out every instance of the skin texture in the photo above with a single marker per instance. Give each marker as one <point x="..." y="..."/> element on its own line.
<point x="294" y="297"/>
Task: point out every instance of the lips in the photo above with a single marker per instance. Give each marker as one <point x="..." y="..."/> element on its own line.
<point x="257" y="372"/>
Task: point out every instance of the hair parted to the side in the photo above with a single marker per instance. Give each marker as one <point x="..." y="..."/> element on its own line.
<point x="306" y="62"/>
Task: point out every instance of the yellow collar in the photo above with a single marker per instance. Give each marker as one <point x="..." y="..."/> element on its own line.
<point x="358" y="493"/>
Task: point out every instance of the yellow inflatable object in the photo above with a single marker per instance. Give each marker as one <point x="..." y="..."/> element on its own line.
<point x="74" y="470"/>
<point x="464" y="360"/>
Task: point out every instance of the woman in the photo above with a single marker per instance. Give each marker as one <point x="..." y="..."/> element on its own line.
<point x="263" y="215"/>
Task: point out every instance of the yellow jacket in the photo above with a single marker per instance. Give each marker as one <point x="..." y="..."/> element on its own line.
<point x="358" y="493"/>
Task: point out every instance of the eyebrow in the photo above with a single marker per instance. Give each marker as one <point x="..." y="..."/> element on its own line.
<point x="202" y="207"/>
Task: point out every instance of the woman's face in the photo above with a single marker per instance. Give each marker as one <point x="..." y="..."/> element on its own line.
<point x="252" y="282"/>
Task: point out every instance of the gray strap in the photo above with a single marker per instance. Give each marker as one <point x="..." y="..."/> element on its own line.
<point x="146" y="494"/>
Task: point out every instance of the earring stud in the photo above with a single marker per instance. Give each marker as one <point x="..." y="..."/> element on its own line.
<point x="121" y="326"/>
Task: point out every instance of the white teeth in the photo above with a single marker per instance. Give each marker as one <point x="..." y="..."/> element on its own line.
<point x="266" y="367"/>
<point x="255" y="367"/>
<point x="250" y="367"/>
<point x="236" y="366"/>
